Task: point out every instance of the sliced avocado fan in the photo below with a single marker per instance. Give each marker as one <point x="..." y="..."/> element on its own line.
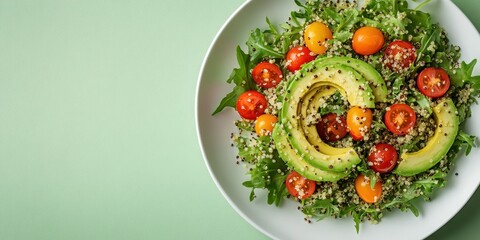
<point x="321" y="78"/>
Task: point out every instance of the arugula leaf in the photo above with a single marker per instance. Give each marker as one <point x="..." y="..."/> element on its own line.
<point x="429" y="40"/>
<point x="241" y="77"/>
<point x="343" y="30"/>
<point x="420" y="99"/>
<point x="466" y="139"/>
<point x="422" y="4"/>
<point x="463" y="75"/>
<point x="259" y="47"/>
<point x="265" y="175"/>
<point x="321" y="208"/>
<point x="334" y="104"/>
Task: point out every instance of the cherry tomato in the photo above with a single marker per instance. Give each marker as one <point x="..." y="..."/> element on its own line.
<point x="332" y="127"/>
<point x="297" y="56"/>
<point x="382" y="158"/>
<point x="399" y="55"/>
<point x="433" y="82"/>
<point x="267" y="75"/>
<point x="251" y="104"/>
<point x="315" y="37"/>
<point x="400" y="118"/>
<point x="365" y="192"/>
<point x="264" y="124"/>
<point x="300" y="187"/>
<point x="359" y="121"/>
<point x="367" y="40"/>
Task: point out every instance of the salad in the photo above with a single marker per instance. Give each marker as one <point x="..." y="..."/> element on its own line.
<point x="350" y="110"/>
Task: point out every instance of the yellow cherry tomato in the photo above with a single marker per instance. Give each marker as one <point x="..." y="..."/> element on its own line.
<point x="359" y="122"/>
<point x="315" y="36"/>
<point x="264" y="124"/>
<point x="365" y="192"/>
<point x="367" y="40"/>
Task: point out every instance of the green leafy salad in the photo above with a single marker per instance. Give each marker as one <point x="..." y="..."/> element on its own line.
<point x="350" y="110"/>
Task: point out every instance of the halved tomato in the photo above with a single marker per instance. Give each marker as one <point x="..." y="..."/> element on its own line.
<point x="297" y="56"/>
<point x="399" y="55"/>
<point x="400" y="118"/>
<point x="251" y="104"/>
<point x="299" y="186"/>
<point x="267" y="75"/>
<point x="433" y="82"/>
<point x="382" y="158"/>
<point x="332" y="127"/>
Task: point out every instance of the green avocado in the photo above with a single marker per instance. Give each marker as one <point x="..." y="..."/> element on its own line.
<point x="437" y="146"/>
<point x="374" y="79"/>
<point x="310" y="107"/>
<point x="293" y="160"/>
<point x="318" y="75"/>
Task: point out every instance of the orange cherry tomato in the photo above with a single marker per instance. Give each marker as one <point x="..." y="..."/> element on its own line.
<point x="299" y="186"/>
<point x="315" y="37"/>
<point x="365" y="192"/>
<point x="433" y="82"/>
<point x="367" y="40"/>
<point x="359" y="121"/>
<point x="264" y="124"/>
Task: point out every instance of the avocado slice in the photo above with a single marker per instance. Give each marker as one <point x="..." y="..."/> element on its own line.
<point x="374" y="79"/>
<point x="294" y="161"/>
<point x="317" y="74"/>
<point x="310" y="106"/>
<point x="437" y="146"/>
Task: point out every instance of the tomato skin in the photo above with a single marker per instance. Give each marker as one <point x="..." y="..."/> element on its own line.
<point x="332" y="127"/>
<point x="264" y="124"/>
<point x="297" y="56"/>
<point x="433" y="82"/>
<point x="382" y="158"/>
<point x="365" y="192"/>
<point x="315" y="37"/>
<point x="399" y="55"/>
<point x="299" y="186"/>
<point x="359" y="122"/>
<point x="367" y="40"/>
<point x="251" y="104"/>
<point x="400" y="118"/>
<point x="267" y="75"/>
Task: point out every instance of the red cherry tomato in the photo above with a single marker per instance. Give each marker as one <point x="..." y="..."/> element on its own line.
<point x="367" y="40"/>
<point x="297" y="56"/>
<point x="433" y="82"/>
<point x="251" y="104"/>
<point x="400" y="118"/>
<point x="365" y="192"/>
<point x="332" y="127"/>
<point x="382" y="158"/>
<point x="399" y="55"/>
<point x="300" y="187"/>
<point x="267" y="75"/>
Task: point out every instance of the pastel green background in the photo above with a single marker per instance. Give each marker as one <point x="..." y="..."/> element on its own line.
<point x="97" y="130"/>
